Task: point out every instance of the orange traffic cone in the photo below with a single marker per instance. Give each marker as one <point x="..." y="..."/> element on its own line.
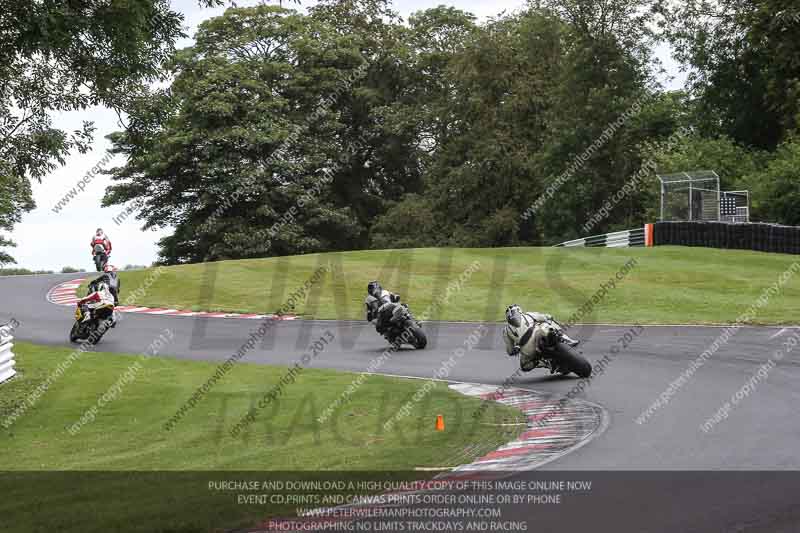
<point x="439" y="423"/>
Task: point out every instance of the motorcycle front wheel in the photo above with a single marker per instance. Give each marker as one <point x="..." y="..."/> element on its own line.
<point x="419" y="340"/>
<point x="97" y="333"/>
<point x="569" y="360"/>
<point x="74" y="333"/>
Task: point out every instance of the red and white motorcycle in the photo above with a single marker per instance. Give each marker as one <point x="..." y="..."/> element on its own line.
<point x="100" y="257"/>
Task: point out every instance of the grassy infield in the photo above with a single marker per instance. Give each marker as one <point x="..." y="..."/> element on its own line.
<point x="127" y="434"/>
<point x="667" y="285"/>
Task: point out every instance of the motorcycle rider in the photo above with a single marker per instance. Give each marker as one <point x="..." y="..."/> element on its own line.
<point x="527" y="334"/>
<point x="110" y="278"/>
<point x="100" y="293"/>
<point x="379" y="303"/>
<point x="101" y="238"/>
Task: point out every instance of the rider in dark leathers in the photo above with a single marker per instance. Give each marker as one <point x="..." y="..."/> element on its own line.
<point x="110" y="278"/>
<point x="379" y="304"/>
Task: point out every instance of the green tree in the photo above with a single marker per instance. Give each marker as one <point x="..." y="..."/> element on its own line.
<point x="15" y="199"/>
<point x="732" y="161"/>
<point x="776" y="187"/>
<point x="523" y="96"/>
<point x="478" y="121"/>
<point x="605" y="100"/>
<point x="266" y="143"/>
<point x="64" y="56"/>
<point x="744" y="69"/>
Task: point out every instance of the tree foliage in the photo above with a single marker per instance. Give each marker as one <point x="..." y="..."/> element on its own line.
<point x="745" y="71"/>
<point x="776" y="187"/>
<point x="525" y="95"/>
<point x="65" y="56"/>
<point x="344" y="127"/>
<point x="270" y="140"/>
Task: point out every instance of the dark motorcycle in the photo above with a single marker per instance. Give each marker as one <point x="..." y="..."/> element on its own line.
<point x="402" y="328"/>
<point x="100" y="257"/>
<point x="556" y="353"/>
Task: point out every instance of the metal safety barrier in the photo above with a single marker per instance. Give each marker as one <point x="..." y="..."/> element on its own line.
<point x="7" y="362"/>
<point x="618" y="239"/>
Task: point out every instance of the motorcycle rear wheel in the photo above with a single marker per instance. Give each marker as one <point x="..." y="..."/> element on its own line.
<point x="569" y="360"/>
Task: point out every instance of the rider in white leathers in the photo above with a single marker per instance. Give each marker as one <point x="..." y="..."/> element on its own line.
<point x="100" y="295"/>
<point x="379" y="303"/>
<point x="529" y="345"/>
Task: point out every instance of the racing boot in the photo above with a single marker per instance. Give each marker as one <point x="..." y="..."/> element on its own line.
<point x="572" y="343"/>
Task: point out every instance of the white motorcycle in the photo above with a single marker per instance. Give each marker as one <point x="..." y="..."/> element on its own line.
<point x="556" y="352"/>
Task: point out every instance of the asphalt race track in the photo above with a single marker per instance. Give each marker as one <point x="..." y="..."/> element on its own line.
<point x="761" y="433"/>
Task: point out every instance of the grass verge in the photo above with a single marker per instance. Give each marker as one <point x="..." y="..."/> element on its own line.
<point x="674" y="285"/>
<point x="126" y="434"/>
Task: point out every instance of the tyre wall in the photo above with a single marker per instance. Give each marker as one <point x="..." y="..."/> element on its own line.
<point x="760" y="237"/>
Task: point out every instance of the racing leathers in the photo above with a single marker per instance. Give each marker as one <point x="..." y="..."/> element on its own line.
<point x="112" y="281"/>
<point x="530" y="338"/>
<point x="380" y="309"/>
<point x="102" y="240"/>
<point x="100" y="295"/>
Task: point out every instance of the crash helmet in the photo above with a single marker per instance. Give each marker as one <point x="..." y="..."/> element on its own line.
<point x="374" y="289"/>
<point x="109" y="268"/>
<point x="98" y="231"/>
<point x="514" y="315"/>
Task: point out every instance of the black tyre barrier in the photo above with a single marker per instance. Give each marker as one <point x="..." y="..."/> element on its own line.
<point x="761" y="237"/>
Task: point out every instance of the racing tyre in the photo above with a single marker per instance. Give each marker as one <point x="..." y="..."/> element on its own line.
<point x="571" y="361"/>
<point x="419" y="341"/>
<point x="100" y="261"/>
<point x="74" y="332"/>
<point x="97" y="333"/>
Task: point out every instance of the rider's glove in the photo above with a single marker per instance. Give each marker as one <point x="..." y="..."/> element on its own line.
<point x="514" y="351"/>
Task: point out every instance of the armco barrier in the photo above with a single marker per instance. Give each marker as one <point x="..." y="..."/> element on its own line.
<point x="619" y="239"/>
<point x="756" y="236"/>
<point x="7" y="362"/>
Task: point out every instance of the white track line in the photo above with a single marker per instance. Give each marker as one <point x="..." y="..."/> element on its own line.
<point x="781" y="332"/>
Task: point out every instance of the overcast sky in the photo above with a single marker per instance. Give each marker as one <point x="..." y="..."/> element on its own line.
<point x="46" y="240"/>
